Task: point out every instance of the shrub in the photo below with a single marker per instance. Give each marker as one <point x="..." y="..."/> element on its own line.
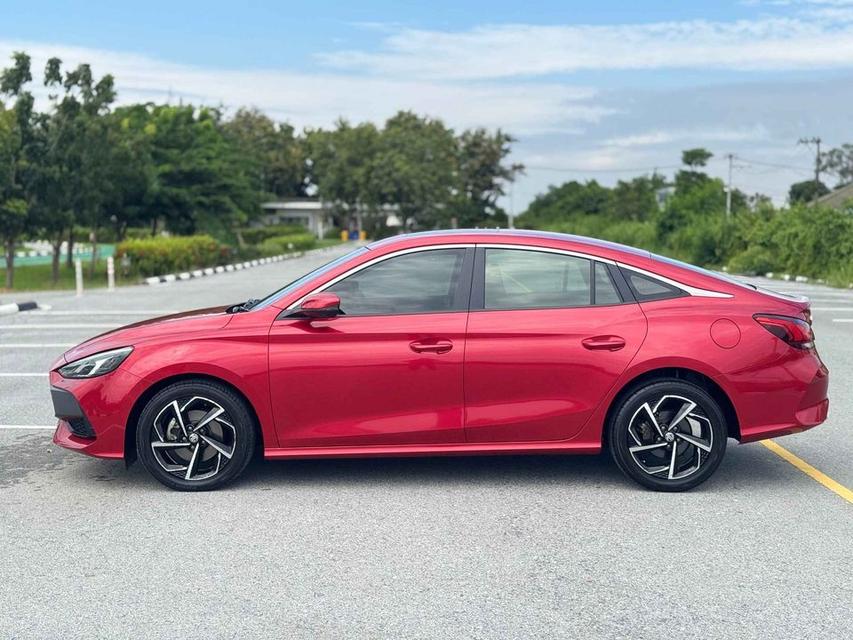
<point x="256" y="235"/>
<point x="156" y="256"/>
<point x="753" y="261"/>
<point x="287" y="243"/>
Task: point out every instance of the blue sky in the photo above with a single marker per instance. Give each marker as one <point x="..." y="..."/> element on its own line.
<point x="590" y="89"/>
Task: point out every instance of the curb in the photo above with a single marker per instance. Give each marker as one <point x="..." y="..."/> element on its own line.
<point x="787" y="277"/>
<point x="16" y="307"/>
<point x="237" y="266"/>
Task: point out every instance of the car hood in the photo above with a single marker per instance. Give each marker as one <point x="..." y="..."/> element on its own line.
<point x="207" y="319"/>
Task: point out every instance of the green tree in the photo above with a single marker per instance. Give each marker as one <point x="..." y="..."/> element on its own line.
<point x="839" y="162"/>
<point x="200" y="183"/>
<point x="694" y="160"/>
<point x="16" y="138"/>
<point x="272" y="151"/>
<point x="483" y="174"/>
<point x="340" y="165"/>
<point x="415" y="170"/>
<point x="806" y="191"/>
<point x="636" y="199"/>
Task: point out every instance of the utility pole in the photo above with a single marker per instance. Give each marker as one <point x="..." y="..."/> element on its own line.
<point x="815" y="140"/>
<point x="511" y="219"/>
<point x="730" y="157"/>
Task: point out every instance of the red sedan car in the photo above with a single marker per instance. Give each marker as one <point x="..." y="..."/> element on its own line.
<point x="466" y="342"/>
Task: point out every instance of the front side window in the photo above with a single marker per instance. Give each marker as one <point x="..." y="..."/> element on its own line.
<point x="521" y="279"/>
<point x="421" y="282"/>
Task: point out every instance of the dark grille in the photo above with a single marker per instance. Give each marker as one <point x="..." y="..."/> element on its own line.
<point x="81" y="427"/>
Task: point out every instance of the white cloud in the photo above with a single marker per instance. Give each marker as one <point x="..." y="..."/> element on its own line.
<point x="318" y="99"/>
<point x="501" y="51"/>
<point x="688" y="136"/>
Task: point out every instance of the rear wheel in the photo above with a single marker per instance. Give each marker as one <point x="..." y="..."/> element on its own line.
<point x="195" y="436"/>
<point x="668" y="435"/>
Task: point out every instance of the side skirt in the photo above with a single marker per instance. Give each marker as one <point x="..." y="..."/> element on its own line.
<point x="465" y="449"/>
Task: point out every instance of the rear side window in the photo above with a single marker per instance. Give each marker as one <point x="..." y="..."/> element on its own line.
<point x="605" y="291"/>
<point x="421" y="282"/>
<point x="646" y="288"/>
<point x="521" y="279"/>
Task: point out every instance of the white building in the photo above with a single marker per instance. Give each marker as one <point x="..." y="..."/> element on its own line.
<point x="307" y="212"/>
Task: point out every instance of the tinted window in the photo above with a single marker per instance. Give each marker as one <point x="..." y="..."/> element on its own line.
<point x="605" y="290"/>
<point x="646" y="288"/>
<point x="519" y="279"/>
<point x="421" y="282"/>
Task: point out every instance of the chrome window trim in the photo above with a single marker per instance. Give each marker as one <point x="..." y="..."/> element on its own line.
<point x="565" y="252"/>
<point x="369" y="263"/>
<point x="693" y="291"/>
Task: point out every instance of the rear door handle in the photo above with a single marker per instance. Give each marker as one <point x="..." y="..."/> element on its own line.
<point x="433" y="346"/>
<point x="604" y="343"/>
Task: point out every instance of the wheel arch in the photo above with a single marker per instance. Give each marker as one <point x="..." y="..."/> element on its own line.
<point x="153" y="389"/>
<point x="679" y="373"/>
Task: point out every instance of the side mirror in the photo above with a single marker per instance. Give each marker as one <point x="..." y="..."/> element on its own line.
<point x="320" y="305"/>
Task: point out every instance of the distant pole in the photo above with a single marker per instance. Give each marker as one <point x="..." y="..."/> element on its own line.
<point x="78" y="276"/>
<point x="511" y="217"/>
<point x="111" y="274"/>
<point x="815" y="140"/>
<point x="731" y="157"/>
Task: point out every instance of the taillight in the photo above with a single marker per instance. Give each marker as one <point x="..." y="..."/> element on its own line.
<point x="795" y="331"/>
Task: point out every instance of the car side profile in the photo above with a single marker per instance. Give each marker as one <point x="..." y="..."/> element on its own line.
<point x="455" y="343"/>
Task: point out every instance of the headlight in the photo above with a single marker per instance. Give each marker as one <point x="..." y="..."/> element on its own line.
<point x="95" y="365"/>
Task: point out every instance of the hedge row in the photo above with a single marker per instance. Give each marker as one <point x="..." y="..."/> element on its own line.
<point x="287" y="243"/>
<point x="256" y="235"/>
<point x="156" y="256"/>
<point x="803" y="240"/>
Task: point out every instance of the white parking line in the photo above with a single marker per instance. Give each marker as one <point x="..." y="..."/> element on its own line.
<point x="24" y="375"/>
<point x="24" y="327"/>
<point x="137" y="312"/>
<point x="27" y="426"/>
<point x="842" y="319"/>
<point x="37" y="345"/>
<point x="845" y="309"/>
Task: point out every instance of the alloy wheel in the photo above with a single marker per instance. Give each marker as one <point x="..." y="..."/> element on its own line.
<point x="670" y="438"/>
<point x="193" y="438"/>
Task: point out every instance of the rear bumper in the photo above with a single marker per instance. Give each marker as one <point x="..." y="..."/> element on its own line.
<point x="803" y="405"/>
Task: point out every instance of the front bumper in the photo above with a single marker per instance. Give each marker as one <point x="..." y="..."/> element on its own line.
<point x="93" y="412"/>
<point x="68" y="410"/>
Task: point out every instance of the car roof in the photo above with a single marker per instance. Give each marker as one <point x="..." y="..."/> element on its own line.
<point x="490" y="235"/>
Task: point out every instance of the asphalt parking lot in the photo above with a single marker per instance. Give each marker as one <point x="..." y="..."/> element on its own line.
<point x="492" y="547"/>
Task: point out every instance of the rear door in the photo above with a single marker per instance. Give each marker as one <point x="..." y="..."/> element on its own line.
<point x="388" y="371"/>
<point x="548" y="335"/>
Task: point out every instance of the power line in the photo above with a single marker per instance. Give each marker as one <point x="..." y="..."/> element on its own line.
<point x="599" y="170"/>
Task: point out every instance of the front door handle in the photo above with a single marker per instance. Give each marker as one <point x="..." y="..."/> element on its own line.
<point x="433" y="346"/>
<point x="604" y="343"/>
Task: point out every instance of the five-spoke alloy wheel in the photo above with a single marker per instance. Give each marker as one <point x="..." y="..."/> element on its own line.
<point x="195" y="435"/>
<point x="668" y="435"/>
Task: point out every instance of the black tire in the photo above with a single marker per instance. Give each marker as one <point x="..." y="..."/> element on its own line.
<point x="639" y="435"/>
<point x="215" y="453"/>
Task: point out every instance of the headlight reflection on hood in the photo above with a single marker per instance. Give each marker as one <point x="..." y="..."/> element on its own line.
<point x="95" y="365"/>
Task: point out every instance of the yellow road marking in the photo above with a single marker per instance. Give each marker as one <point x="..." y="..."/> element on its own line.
<point x="809" y="470"/>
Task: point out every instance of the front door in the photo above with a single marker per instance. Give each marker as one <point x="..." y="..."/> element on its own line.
<point x="386" y="372"/>
<point x="548" y="336"/>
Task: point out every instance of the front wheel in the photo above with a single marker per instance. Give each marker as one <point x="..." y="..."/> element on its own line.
<point x="668" y="435"/>
<point x="195" y="435"/>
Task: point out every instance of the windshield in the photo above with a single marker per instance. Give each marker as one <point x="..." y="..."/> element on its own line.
<point x="276" y="295"/>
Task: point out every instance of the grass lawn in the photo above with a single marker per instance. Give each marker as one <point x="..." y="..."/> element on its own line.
<point x="36" y="277"/>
